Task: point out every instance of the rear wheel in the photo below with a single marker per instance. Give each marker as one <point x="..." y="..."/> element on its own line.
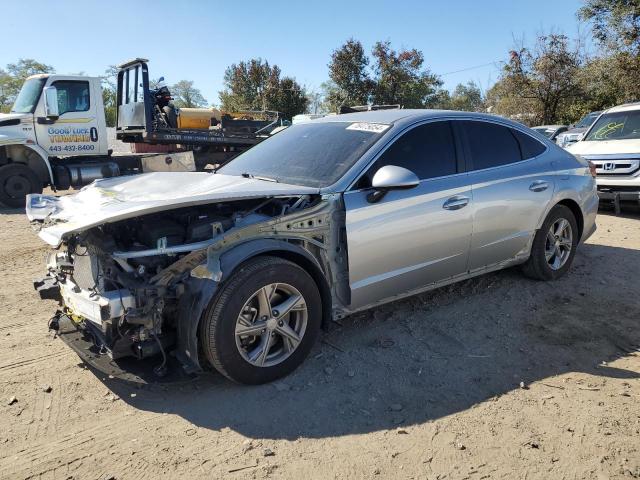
<point x="16" y="182"/>
<point x="554" y="245"/>
<point x="263" y="323"/>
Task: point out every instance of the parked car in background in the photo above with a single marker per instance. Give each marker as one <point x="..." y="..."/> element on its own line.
<point x="550" y="131"/>
<point x="576" y="132"/>
<point x="613" y="145"/>
<point x="239" y="269"/>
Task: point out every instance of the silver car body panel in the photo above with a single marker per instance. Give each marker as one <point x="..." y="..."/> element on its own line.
<point x="114" y="199"/>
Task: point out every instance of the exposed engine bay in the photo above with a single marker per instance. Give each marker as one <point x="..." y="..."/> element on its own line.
<point x="138" y="286"/>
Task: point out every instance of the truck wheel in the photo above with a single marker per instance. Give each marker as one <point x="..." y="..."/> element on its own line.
<point x="263" y="323"/>
<point x="16" y="181"/>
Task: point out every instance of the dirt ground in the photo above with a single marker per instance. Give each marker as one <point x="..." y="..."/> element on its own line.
<point x="496" y="377"/>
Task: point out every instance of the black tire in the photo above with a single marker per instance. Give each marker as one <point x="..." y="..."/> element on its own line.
<point x="537" y="267"/>
<point x="218" y="326"/>
<point x="16" y="181"/>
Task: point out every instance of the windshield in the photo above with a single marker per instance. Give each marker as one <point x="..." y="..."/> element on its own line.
<point x="27" y="99"/>
<point x="309" y="154"/>
<point x="587" y="120"/>
<point x="616" y="126"/>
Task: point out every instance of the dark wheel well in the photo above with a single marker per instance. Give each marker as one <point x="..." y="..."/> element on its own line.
<point x="577" y="213"/>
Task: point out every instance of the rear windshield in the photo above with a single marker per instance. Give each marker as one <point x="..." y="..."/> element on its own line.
<point x="314" y="154"/>
<point x="616" y="126"/>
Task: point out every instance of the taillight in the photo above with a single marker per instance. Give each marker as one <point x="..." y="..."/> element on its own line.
<point x="592" y="169"/>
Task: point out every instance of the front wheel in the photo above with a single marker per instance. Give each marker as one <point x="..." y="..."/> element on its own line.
<point x="16" y="182"/>
<point x="263" y="323"/>
<point x="554" y="245"/>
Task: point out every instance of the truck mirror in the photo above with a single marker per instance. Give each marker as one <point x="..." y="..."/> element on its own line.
<point x="51" y="102"/>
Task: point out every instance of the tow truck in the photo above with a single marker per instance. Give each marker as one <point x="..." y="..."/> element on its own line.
<point x="56" y="133"/>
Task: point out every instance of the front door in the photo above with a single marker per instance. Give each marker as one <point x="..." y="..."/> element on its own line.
<point x="77" y="129"/>
<point x="410" y="238"/>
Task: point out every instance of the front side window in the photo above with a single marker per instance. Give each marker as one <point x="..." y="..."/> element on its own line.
<point x="427" y="150"/>
<point x="616" y="126"/>
<point x="73" y="96"/>
<point x="491" y="145"/>
<point x="587" y="120"/>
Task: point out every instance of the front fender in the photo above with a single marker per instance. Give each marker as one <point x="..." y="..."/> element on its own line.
<point x="43" y="169"/>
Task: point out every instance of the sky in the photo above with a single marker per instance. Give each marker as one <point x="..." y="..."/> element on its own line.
<point x="197" y="40"/>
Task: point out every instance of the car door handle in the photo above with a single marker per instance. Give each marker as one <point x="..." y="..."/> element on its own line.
<point x="539" y="186"/>
<point x="456" y="202"/>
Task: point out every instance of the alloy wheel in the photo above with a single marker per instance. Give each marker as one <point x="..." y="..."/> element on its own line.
<point x="558" y="244"/>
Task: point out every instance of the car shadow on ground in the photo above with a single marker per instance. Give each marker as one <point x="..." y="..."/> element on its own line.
<point x="428" y="356"/>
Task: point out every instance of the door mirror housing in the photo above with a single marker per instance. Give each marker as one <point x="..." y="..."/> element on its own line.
<point x="51" y="102"/>
<point x="391" y="177"/>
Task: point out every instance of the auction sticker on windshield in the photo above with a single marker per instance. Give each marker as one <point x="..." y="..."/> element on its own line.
<point x="368" y="127"/>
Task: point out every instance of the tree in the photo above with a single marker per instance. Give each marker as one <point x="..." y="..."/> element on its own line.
<point x="616" y="26"/>
<point x="467" y="98"/>
<point x="256" y="85"/>
<point x="348" y="72"/>
<point x="12" y="78"/>
<point x="110" y="95"/>
<point x="615" y="23"/>
<point x="401" y="79"/>
<point x="186" y="95"/>
<point x="542" y="81"/>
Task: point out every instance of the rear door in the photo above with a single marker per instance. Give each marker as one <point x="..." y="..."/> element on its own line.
<point x="512" y="184"/>
<point x="411" y="238"/>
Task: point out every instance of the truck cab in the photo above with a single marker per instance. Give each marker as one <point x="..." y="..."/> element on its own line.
<point x="54" y="120"/>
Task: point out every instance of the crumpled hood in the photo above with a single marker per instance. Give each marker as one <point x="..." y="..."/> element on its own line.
<point x="113" y="199"/>
<point x="605" y="147"/>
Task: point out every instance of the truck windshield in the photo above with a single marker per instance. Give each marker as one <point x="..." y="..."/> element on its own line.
<point x="309" y="154"/>
<point x="616" y="126"/>
<point x="27" y="99"/>
<point x="587" y="120"/>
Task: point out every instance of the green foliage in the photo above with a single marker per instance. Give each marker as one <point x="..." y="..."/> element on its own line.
<point x="395" y="77"/>
<point x="186" y="95"/>
<point x="12" y="78"/>
<point x="541" y="81"/>
<point x="256" y="85"/>
<point x="615" y="23"/>
<point x="468" y="98"/>
<point x="109" y="95"/>
<point x="350" y="83"/>
<point x="401" y="78"/>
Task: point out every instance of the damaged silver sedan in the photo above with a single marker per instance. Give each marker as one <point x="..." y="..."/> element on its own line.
<point x="240" y="269"/>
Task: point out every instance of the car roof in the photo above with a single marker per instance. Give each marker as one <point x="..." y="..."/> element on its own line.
<point x="409" y="115"/>
<point x="625" y="107"/>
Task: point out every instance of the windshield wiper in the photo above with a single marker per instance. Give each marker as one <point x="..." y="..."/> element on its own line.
<point x="266" y="179"/>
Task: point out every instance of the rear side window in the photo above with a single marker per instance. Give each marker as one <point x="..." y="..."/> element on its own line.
<point x="427" y="150"/>
<point x="491" y="145"/>
<point x="529" y="146"/>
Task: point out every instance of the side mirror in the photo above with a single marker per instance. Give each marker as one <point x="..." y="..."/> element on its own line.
<point x="51" y="102"/>
<point x="391" y="177"/>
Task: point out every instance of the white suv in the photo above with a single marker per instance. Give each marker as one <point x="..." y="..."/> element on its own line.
<point x="613" y="145"/>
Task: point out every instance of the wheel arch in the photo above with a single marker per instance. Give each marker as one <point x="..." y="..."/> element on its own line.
<point x="200" y="292"/>
<point x="577" y="213"/>
<point x="33" y="157"/>
<point x="233" y="259"/>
